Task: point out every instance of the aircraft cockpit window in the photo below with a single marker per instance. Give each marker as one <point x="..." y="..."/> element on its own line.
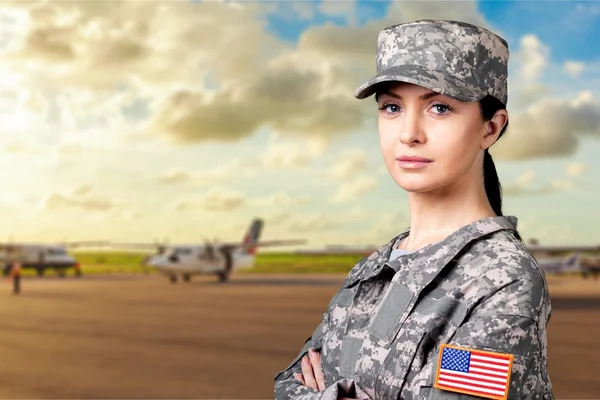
<point x="56" y="252"/>
<point x="181" y="251"/>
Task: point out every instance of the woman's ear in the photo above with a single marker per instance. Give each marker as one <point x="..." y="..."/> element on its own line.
<point x="492" y="129"/>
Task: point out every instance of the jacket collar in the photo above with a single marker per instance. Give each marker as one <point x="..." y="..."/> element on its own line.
<point x="419" y="268"/>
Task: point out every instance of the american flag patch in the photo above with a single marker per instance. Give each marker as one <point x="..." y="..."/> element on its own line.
<point x="475" y="372"/>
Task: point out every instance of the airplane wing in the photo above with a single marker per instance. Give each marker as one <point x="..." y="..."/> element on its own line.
<point x="338" y="251"/>
<point x="148" y="246"/>
<point x="88" y="243"/>
<point x="264" y="243"/>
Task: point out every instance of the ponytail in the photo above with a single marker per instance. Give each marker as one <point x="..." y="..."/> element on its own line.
<point x="489" y="105"/>
<point x="493" y="188"/>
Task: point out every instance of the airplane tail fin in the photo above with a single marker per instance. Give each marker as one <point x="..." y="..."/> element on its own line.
<point x="573" y="262"/>
<point x="252" y="236"/>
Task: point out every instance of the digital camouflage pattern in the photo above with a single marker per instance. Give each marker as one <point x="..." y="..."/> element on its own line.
<point x="457" y="59"/>
<point x="381" y="333"/>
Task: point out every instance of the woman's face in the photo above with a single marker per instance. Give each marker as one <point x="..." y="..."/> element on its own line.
<point x="449" y="134"/>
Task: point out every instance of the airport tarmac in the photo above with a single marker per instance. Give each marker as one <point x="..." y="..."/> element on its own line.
<point x="137" y="336"/>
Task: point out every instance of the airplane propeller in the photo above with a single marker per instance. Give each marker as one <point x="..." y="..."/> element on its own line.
<point x="161" y="246"/>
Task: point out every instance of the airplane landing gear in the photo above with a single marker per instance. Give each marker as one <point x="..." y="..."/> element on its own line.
<point x="223" y="277"/>
<point x="173" y="278"/>
<point x="186" y="277"/>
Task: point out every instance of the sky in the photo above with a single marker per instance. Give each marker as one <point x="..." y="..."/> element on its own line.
<point x="183" y="120"/>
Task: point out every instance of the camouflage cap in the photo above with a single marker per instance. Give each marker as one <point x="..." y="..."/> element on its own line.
<point x="459" y="60"/>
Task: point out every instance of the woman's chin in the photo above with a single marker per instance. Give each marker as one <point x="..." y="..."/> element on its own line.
<point x="416" y="185"/>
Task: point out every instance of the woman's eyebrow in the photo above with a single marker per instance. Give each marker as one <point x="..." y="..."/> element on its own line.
<point x="425" y="96"/>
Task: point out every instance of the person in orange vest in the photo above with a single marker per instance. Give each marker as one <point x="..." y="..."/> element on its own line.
<point x="77" y="269"/>
<point x="16" y="277"/>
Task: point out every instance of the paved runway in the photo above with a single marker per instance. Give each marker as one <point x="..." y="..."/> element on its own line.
<point x="140" y="336"/>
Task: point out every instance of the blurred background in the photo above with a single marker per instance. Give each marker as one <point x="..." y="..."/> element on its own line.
<point x="135" y="131"/>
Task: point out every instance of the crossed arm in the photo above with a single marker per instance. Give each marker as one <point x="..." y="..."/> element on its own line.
<point x="312" y="374"/>
<point x="304" y="378"/>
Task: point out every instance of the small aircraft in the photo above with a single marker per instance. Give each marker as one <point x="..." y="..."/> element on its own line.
<point x="555" y="265"/>
<point x="218" y="259"/>
<point x="42" y="257"/>
<point x="573" y="261"/>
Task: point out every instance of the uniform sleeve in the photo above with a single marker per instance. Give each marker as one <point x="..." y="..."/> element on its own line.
<point x="287" y="387"/>
<point x="512" y="321"/>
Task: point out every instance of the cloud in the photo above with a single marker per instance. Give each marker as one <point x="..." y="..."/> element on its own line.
<point x="284" y="98"/>
<point x="524" y="185"/>
<point x="291" y="154"/>
<point x="339" y="8"/>
<point x="297" y="10"/>
<point x="91" y="44"/>
<point x="550" y="128"/>
<point x="544" y="126"/>
<point x="110" y="71"/>
<point x="20" y="148"/>
<point x="129" y="215"/>
<point x="526" y="70"/>
<point x="278" y="218"/>
<point x="210" y="175"/>
<point x="70" y="149"/>
<point x="576" y="169"/>
<point x="216" y="199"/>
<point x="220" y="199"/>
<point x="176" y="175"/>
<point x="236" y="167"/>
<point x="239" y="79"/>
<point x="83" y="197"/>
<point x="310" y="223"/>
<point x="354" y="188"/>
<point x="280" y="199"/>
<point x="573" y="68"/>
<point x="126" y="69"/>
<point x="526" y="94"/>
<point x="348" y="172"/>
<point x="349" y="162"/>
<point x="533" y="57"/>
<point x="526" y="178"/>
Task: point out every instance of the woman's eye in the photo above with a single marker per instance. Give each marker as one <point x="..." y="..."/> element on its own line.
<point x="441" y="108"/>
<point x="392" y="108"/>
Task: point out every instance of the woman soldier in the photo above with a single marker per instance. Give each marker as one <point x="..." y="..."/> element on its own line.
<point x="454" y="307"/>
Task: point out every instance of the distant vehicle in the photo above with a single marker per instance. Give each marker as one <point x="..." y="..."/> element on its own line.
<point x="555" y="265"/>
<point x="220" y="259"/>
<point x="41" y="257"/>
<point x="572" y="262"/>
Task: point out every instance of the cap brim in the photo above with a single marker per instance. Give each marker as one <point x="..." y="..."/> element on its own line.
<point x="437" y="81"/>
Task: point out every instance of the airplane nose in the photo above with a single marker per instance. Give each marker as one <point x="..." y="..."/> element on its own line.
<point x="150" y="262"/>
<point x="156" y="261"/>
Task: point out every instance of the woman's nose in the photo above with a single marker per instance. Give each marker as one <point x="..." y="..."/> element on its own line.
<point x="410" y="130"/>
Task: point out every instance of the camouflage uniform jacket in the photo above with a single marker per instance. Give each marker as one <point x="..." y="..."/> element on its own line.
<point x="381" y="333"/>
